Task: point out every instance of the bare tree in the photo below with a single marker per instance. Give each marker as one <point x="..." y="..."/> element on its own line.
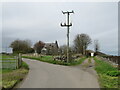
<point x="96" y="46"/>
<point x="63" y="49"/>
<point x="38" y="46"/>
<point x="81" y="43"/>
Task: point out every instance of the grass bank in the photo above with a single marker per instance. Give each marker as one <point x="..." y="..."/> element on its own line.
<point x="49" y="59"/>
<point x="108" y="75"/>
<point x="11" y="77"/>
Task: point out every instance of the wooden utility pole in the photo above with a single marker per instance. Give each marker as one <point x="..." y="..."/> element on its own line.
<point x="68" y="24"/>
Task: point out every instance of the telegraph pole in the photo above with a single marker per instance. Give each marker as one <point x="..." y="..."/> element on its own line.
<point x="67" y="24"/>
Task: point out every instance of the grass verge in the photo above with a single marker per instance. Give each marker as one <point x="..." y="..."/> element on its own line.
<point x="106" y="80"/>
<point x="78" y="61"/>
<point x="49" y="59"/>
<point x="11" y="77"/>
<point x="89" y="60"/>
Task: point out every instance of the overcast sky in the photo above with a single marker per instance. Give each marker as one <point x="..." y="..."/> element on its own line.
<point x="41" y="21"/>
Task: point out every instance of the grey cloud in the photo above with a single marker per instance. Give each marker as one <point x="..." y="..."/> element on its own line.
<point x="40" y="21"/>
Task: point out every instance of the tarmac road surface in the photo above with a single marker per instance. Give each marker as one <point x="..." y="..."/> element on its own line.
<point x="45" y="75"/>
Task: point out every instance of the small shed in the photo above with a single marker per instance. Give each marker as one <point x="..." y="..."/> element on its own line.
<point x="90" y="53"/>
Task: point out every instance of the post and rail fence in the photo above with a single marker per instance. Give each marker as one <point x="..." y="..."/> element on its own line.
<point x="11" y="63"/>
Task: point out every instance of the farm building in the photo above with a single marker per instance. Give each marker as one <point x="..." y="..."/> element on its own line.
<point x="90" y="53"/>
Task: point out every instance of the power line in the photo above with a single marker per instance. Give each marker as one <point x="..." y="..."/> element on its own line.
<point x="68" y="24"/>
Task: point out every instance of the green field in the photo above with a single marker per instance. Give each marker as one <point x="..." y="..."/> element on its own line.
<point x="0" y="56"/>
<point x="108" y="75"/>
<point x="6" y="57"/>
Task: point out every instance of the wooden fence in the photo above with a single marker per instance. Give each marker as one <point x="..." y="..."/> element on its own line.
<point x="11" y="63"/>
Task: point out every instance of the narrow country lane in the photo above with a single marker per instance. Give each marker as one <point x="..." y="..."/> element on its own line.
<point x="45" y="75"/>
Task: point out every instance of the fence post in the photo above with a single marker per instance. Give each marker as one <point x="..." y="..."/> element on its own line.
<point x="20" y="59"/>
<point x="16" y="62"/>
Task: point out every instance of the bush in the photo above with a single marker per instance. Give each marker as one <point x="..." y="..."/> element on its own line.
<point x="113" y="73"/>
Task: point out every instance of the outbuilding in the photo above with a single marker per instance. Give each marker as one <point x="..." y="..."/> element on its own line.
<point x="90" y="53"/>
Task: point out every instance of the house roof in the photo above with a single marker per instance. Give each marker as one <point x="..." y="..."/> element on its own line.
<point x="90" y="51"/>
<point x="51" y="45"/>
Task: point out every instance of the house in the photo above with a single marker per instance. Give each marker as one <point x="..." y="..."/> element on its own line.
<point x="50" y="49"/>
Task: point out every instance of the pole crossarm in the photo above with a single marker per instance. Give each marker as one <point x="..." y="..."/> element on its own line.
<point x="67" y="12"/>
<point x="65" y="25"/>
